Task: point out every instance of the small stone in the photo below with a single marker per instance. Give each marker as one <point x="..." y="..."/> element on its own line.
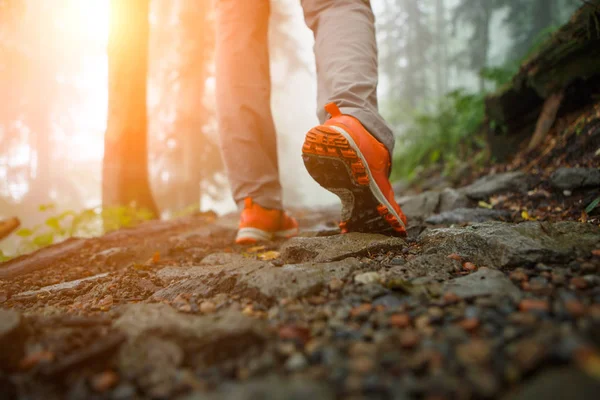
<point x="518" y="276"/>
<point x="296" y="362"/>
<point x="106" y="302"/>
<point x="295" y="332"/>
<point x="474" y="352"/>
<point x="317" y="300"/>
<point x="362" y="364"/>
<point x="104" y="381"/>
<point x="361" y="311"/>
<point x="208" y="307"/>
<point x="579" y="283"/>
<point x="450" y="298"/>
<point x="528" y="305"/>
<point x="469" y="266"/>
<point x="336" y="284"/>
<point x="409" y="339"/>
<point x="575" y="308"/>
<point x="567" y="193"/>
<point x="469" y="324"/>
<point x="400" y="320"/>
<point x="367" y="278"/>
<point x="455" y="257"/>
<point x="398" y="261"/>
<point x="31" y="360"/>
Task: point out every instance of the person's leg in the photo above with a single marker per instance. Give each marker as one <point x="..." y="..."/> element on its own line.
<point x="346" y="55"/>
<point x="243" y="89"/>
<point x="349" y="154"/>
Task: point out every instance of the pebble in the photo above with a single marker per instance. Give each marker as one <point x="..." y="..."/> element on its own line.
<point x="518" y="276"/>
<point x="579" y="283"/>
<point x="469" y="266"/>
<point x="367" y="278"/>
<point x="362" y="364"/>
<point x="469" y="324"/>
<point x="575" y="308"/>
<point x="474" y="352"/>
<point x="361" y="311"/>
<point x="296" y="362"/>
<point x="336" y="284"/>
<point x="208" y="307"/>
<point x="409" y="339"/>
<point x="534" y="305"/>
<point x="455" y="257"/>
<point x="104" y="381"/>
<point x="451" y="298"/>
<point x="295" y="332"/>
<point x="31" y="360"/>
<point x="400" y="320"/>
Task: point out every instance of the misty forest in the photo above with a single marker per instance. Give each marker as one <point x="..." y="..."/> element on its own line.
<point x="119" y="275"/>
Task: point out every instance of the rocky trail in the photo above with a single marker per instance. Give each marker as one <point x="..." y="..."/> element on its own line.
<point x="494" y="294"/>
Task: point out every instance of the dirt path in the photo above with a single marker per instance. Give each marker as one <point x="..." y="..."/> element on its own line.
<point x="476" y="303"/>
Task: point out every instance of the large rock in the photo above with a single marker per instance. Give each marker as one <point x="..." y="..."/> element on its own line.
<point x="465" y="215"/>
<point x="338" y="247"/>
<point x="420" y="206"/>
<point x="451" y="199"/>
<point x="256" y="279"/>
<point x="497" y="244"/>
<point x="210" y="338"/>
<point x="153" y="364"/>
<point x="13" y="333"/>
<point x="484" y="282"/>
<point x="435" y="266"/>
<point x="489" y="185"/>
<point x="575" y="178"/>
<point x="296" y="280"/>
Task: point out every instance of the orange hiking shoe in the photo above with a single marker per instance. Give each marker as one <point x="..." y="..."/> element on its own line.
<point x="258" y="224"/>
<point x="348" y="161"/>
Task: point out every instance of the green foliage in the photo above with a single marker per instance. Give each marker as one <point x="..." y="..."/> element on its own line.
<point x="86" y="223"/>
<point x="592" y="205"/>
<point x="446" y="135"/>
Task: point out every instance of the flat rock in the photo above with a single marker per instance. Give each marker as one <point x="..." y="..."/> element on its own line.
<point x="272" y="387"/>
<point x="296" y="280"/>
<point x="59" y="286"/>
<point x="558" y="384"/>
<point x="575" y="178"/>
<point x="489" y="185"/>
<point x="338" y="247"/>
<point x="13" y="333"/>
<point x="464" y="215"/>
<point x="499" y="245"/>
<point x="436" y="266"/>
<point x="484" y="282"/>
<point x="211" y="338"/>
<point x="420" y="206"/>
<point x="257" y="279"/>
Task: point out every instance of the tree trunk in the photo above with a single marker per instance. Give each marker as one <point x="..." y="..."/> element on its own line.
<point x="125" y="166"/>
<point x="440" y="67"/>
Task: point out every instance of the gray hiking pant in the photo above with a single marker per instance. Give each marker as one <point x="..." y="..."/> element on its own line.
<point x="346" y="56"/>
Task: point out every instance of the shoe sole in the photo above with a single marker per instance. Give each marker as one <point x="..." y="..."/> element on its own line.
<point x="255" y="235"/>
<point x="334" y="160"/>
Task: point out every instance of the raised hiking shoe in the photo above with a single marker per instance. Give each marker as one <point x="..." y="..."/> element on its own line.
<point x="258" y="224"/>
<point x="347" y="160"/>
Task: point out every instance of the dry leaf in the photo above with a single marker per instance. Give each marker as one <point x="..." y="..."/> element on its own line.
<point x="268" y="255"/>
<point x="255" y="249"/>
<point x="483" y="204"/>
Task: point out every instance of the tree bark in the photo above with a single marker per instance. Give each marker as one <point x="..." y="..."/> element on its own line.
<point x="125" y="165"/>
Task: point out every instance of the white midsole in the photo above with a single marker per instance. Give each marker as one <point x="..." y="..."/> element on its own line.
<point x="372" y="184"/>
<point x="253" y="233"/>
